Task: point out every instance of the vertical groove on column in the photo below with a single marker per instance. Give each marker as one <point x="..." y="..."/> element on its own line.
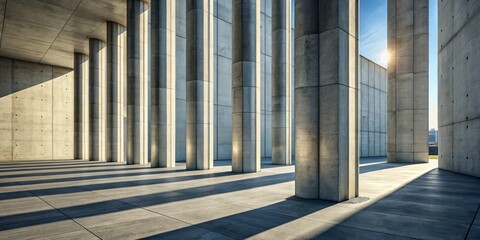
<point x="200" y="84"/>
<point x="81" y="106"/>
<point x="281" y="82"/>
<point x="246" y="139"/>
<point x="163" y="83"/>
<point x="97" y="97"/>
<point x="137" y="82"/>
<point x="326" y="99"/>
<point x="115" y="142"/>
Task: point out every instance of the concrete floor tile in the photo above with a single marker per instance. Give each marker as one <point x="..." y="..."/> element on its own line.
<point x="38" y="229"/>
<point x="406" y="226"/>
<point x="139" y="228"/>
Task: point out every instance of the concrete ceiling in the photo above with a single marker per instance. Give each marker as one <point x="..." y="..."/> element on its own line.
<point x="50" y="31"/>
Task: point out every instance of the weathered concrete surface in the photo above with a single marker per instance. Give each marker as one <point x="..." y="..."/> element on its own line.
<point x="137" y="149"/>
<point x="81" y="112"/>
<point x="373" y="109"/>
<point x="281" y="82"/>
<point x="36" y="117"/>
<point x="459" y="86"/>
<point x="326" y="99"/>
<point x="181" y="82"/>
<point x="163" y="83"/>
<point x="116" y="92"/>
<point x="408" y="81"/>
<point x="246" y="86"/>
<point x="97" y="100"/>
<point x="200" y="60"/>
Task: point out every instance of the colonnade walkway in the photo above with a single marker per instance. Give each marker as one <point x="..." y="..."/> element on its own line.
<point x="91" y="200"/>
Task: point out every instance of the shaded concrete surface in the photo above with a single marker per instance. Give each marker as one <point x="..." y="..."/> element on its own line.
<point x="91" y="200"/>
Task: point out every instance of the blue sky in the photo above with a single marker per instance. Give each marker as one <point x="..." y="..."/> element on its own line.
<point x="373" y="43"/>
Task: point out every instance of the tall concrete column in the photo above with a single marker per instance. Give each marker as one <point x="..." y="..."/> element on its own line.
<point x="408" y="81"/>
<point x="281" y="84"/>
<point x="137" y="82"/>
<point x="81" y="106"/>
<point x="199" y="84"/>
<point x="163" y="83"/>
<point x="97" y="97"/>
<point x="246" y="86"/>
<point x="116" y="92"/>
<point x="326" y="99"/>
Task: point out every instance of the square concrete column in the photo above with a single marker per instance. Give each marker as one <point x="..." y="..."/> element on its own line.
<point x="163" y="83"/>
<point x="246" y="86"/>
<point x="81" y="113"/>
<point x="326" y="99"/>
<point x="408" y="81"/>
<point x="97" y="96"/>
<point x="116" y="92"/>
<point x="200" y="84"/>
<point x="137" y="82"/>
<point x="281" y="82"/>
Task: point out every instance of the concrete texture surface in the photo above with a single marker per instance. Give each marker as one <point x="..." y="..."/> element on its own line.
<point x="281" y="82"/>
<point x="91" y="200"/>
<point x="408" y="81"/>
<point x="116" y="90"/>
<point x="459" y="85"/>
<point x="246" y="139"/>
<point x="200" y="47"/>
<point x="163" y="70"/>
<point x="326" y="99"/>
<point x="137" y="82"/>
<point x="81" y="112"/>
<point x="97" y="74"/>
<point x="36" y="119"/>
<point x="373" y="109"/>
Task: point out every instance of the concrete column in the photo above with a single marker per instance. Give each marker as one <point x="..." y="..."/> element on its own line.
<point x="116" y="92"/>
<point x="137" y="82"/>
<point x="281" y="84"/>
<point x="81" y="113"/>
<point x="246" y="86"/>
<point x="199" y="84"/>
<point x="97" y="98"/>
<point x="408" y="81"/>
<point x="326" y="105"/>
<point x="163" y="83"/>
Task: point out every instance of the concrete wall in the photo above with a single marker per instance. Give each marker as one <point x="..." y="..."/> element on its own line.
<point x="373" y="109"/>
<point x="459" y="86"/>
<point x="36" y="117"/>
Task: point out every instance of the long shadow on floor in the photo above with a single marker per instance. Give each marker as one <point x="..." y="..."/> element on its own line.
<point x="142" y="201"/>
<point x="431" y="207"/>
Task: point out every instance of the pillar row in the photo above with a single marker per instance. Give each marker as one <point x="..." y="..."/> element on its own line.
<point x="116" y="92"/>
<point x="408" y="81"/>
<point x="97" y="99"/>
<point x="199" y="84"/>
<point x="163" y="83"/>
<point x="81" y="106"/>
<point x="281" y="82"/>
<point x="326" y="99"/>
<point x="137" y="82"/>
<point x="246" y="139"/>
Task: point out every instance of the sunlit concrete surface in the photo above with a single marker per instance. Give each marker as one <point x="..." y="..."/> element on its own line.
<point x="89" y="200"/>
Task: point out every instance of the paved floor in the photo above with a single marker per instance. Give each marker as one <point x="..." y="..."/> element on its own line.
<point x="90" y="200"/>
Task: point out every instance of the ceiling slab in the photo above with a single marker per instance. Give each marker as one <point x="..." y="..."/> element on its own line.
<point x="51" y="31"/>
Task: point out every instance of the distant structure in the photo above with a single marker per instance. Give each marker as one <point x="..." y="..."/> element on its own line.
<point x="433" y="137"/>
<point x="373" y="109"/>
